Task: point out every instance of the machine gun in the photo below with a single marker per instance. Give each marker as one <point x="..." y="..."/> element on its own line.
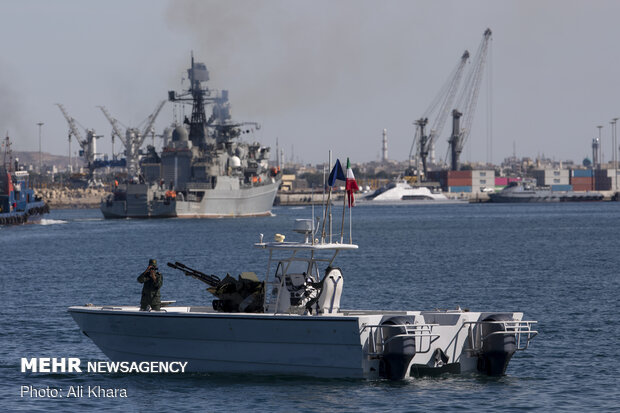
<point x="243" y="295"/>
<point x="211" y="280"/>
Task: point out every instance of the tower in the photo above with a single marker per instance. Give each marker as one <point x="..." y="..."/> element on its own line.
<point x="384" y="151"/>
<point x="595" y="151"/>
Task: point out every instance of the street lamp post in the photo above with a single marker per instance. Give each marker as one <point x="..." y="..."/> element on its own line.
<point x="40" y="162"/>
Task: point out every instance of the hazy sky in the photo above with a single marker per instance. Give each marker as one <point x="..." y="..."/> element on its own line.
<point x="316" y="74"/>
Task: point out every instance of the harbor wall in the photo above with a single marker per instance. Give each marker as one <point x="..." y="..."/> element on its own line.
<point x="58" y="198"/>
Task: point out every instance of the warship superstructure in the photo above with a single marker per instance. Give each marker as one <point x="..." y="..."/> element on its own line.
<point x="204" y="170"/>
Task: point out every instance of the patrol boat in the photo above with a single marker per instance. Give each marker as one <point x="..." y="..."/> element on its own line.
<point x="204" y="170"/>
<point x="526" y="191"/>
<point x="292" y="323"/>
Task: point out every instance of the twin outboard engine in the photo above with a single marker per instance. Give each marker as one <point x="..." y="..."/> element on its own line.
<point x="398" y="348"/>
<point x="497" y="349"/>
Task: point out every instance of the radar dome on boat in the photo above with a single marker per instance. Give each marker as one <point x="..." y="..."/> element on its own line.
<point x="235" y="162"/>
<point x="179" y="134"/>
<point x="303" y="226"/>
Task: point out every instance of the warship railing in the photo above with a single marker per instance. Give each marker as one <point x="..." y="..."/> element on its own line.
<point x="419" y="332"/>
<point x="521" y="330"/>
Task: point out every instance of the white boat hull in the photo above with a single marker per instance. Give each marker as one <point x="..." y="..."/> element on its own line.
<point x="237" y="343"/>
<point x="335" y="346"/>
<point x="400" y="192"/>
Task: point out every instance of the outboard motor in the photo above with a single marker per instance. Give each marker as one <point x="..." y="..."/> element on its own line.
<point x="398" y="348"/>
<point x="497" y="349"/>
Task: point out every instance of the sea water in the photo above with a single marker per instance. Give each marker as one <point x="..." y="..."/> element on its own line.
<point x="557" y="264"/>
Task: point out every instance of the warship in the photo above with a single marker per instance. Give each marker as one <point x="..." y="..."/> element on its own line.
<point x="204" y="169"/>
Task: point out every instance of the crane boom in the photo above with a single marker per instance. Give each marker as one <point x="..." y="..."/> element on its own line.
<point x="448" y="101"/>
<point x="444" y="101"/>
<point x="73" y="130"/>
<point x="114" y="124"/>
<point x="151" y="120"/>
<point x="468" y="99"/>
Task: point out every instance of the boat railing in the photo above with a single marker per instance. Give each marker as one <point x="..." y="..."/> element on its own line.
<point x="521" y="330"/>
<point x="378" y="336"/>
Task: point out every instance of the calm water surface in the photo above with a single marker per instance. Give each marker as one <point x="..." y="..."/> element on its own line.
<point x="556" y="263"/>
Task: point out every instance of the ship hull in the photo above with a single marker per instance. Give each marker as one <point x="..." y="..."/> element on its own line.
<point x="229" y="343"/>
<point x="342" y="345"/>
<point x="142" y="201"/>
<point x="545" y="197"/>
<point x="33" y="211"/>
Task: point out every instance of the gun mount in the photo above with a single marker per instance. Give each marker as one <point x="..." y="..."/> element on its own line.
<point x="244" y="294"/>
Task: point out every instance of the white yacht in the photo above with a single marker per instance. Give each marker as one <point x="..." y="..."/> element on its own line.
<point x="292" y="323"/>
<point x="401" y="191"/>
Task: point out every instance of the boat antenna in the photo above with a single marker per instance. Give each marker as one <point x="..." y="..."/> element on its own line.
<point x="323" y="201"/>
<point x="312" y="203"/>
<point x="326" y="209"/>
<point x="344" y="208"/>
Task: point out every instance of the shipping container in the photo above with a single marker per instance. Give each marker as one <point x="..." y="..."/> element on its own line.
<point x="581" y="173"/>
<point x="459" y="174"/>
<point x="561" y="187"/>
<point x="459" y="189"/>
<point x="581" y="181"/>
<point x="437" y="175"/>
<point x="603" y="184"/>
<point x="501" y="181"/>
<point x="458" y="182"/>
<point x="582" y="187"/>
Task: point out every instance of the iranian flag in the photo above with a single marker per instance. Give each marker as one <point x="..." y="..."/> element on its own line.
<point x="351" y="185"/>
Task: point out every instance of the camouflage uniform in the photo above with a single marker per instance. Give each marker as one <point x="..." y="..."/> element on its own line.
<point x="150" y="290"/>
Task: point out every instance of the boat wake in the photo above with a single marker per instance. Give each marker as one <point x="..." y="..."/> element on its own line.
<point x="51" y="221"/>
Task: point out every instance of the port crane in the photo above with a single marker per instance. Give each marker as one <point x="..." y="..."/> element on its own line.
<point x="466" y="103"/>
<point x="88" y="144"/>
<point x="133" y="138"/>
<point x="438" y="111"/>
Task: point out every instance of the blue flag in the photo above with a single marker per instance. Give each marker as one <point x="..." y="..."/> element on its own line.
<point x="336" y="174"/>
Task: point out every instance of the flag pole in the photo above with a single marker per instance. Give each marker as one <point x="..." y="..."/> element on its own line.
<point x="344" y="207"/>
<point x="330" y="221"/>
<point x="323" y="205"/>
<point x="312" y="227"/>
<point x="329" y="194"/>
<point x="329" y="205"/>
<point x="350" y="227"/>
<point x="326" y="206"/>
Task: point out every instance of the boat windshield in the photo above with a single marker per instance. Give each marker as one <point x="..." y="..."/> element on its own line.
<point x="304" y="268"/>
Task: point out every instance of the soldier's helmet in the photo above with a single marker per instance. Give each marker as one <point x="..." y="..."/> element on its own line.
<point x="153" y="262"/>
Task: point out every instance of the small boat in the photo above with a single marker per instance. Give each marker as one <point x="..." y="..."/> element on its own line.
<point x="18" y="203"/>
<point x="292" y="323"/>
<point x="401" y="191"/>
<point x="526" y="191"/>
